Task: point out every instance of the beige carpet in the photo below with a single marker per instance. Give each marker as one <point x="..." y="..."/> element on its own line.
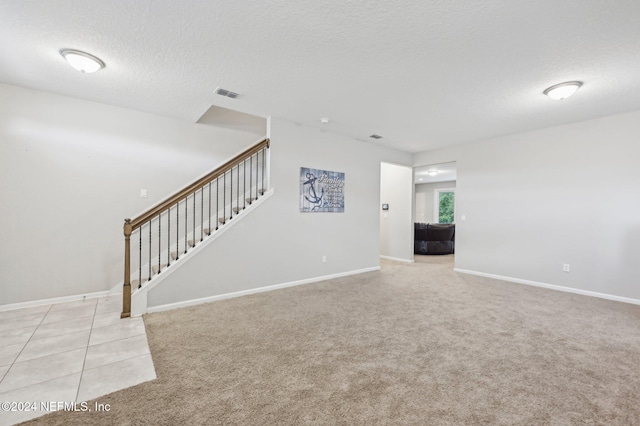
<point x="412" y="344"/>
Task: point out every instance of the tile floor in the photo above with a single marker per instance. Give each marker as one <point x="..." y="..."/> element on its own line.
<point x="68" y="352"/>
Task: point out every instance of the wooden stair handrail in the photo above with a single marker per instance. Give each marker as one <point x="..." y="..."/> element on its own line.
<point x="131" y="225"/>
<point x="154" y="211"/>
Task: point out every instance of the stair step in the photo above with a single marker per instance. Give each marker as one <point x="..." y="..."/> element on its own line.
<point x="136" y="283"/>
<point x="174" y="254"/>
<point x="191" y="243"/>
<point x="155" y="268"/>
<point x="250" y="200"/>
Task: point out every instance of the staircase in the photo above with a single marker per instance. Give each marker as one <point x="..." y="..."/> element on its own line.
<point x="156" y="239"/>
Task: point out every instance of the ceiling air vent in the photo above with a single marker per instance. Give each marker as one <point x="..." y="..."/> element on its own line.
<point x="376" y="136"/>
<point x="227" y="93"/>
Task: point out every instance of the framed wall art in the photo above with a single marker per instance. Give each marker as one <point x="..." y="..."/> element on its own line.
<point x="321" y="191"/>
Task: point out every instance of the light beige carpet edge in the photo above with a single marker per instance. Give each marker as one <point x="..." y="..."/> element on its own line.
<point x="410" y="344"/>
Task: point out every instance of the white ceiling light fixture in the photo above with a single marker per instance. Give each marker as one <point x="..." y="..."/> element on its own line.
<point x="82" y="61"/>
<point x="324" y="120"/>
<point x="563" y="90"/>
<point x="432" y="172"/>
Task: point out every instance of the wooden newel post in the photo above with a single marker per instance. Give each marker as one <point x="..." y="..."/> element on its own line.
<point x="126" y="290"/>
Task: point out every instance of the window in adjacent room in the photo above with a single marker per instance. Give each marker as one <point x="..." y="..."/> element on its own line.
<point x="444" y="203"/>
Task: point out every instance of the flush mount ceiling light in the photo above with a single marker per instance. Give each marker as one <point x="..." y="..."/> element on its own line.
<point x="432" y="172"/>
<point x="82" y="61"/>
<point x="324" y="120"/>
<point x="563" y="90"/>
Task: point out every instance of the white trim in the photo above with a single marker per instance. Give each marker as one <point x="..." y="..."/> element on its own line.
<point x="55" y="300"/>
<point x="397" y="259"/>
<point x="208" y="238"/>
<point x="139" y="303"/>
<point x="552" y="287"/>
<point x="211" y="238"/>
<point x="116" y="289"/>
<point x="269" y="127"/>
<point x="186" y="303"/>
<point x="139" y="296"/>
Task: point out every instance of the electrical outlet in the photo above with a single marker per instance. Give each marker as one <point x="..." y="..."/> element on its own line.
<point x="566" y="267"/>
<point x="143" y="193"/>
<point x="324" y="259"/>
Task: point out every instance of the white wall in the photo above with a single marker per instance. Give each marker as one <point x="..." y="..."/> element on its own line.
<point x="425" y="193"/>
<point x="71" y="171"/>
<point x="396" y="224"/>
<point x="567" y="194"/>
<point x="277" y="244"/>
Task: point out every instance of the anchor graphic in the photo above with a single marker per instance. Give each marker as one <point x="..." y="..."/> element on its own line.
<point x="313" y="196"/>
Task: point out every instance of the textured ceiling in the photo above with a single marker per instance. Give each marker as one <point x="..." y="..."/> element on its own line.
<point x="423" y="74"/>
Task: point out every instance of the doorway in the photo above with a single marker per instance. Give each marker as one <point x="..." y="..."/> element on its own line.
<point x="429" y="182"/>
<point x="435" y="212"/>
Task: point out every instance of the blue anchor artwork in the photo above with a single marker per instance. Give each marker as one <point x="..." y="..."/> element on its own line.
<point x="313" y="197"/>
<point x="321" y="191"/>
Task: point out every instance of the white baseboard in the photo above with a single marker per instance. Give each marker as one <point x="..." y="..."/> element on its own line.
<point x="139" y="296"/>
<point x="256" y="290"/>
<point x="552" y="286"/>
<point x="157" y="279"/>
<point x="397" y="259"/>
<point x="55" y="300"/>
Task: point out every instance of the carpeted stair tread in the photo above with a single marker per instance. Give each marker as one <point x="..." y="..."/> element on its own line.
<point x="136" y="283"/>
<point x="158" y="268"/>
<point x="174" y="255"/>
